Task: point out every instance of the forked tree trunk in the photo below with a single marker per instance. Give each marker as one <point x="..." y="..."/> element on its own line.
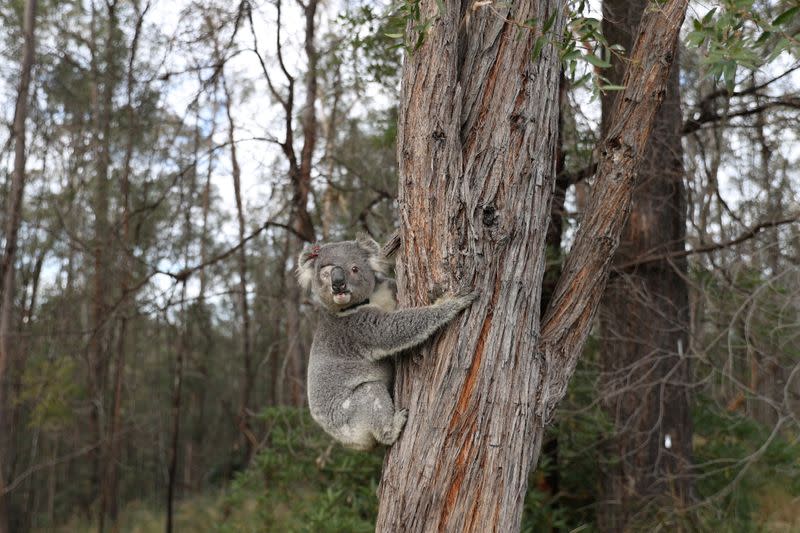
<point x="477" y="134"/>
<point x="645" y="318"/>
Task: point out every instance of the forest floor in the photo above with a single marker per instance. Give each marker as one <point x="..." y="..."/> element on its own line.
<point x="779" y="512"/>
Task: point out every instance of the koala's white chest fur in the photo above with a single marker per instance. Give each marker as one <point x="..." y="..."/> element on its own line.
<point x="383" y="297"/>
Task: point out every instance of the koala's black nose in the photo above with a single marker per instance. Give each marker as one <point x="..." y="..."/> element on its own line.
<point x="338" y="280"/>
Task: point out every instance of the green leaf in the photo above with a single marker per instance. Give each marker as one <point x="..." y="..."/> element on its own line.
<point x="607" y="88"/>
<point x="786" y="16"/>
<point x="596" y="61"/>
<point x="572" y="55"/>
<point x="537" y="47"/>
<point x="696" y="38"/>
<point x="763" y="37"/>
<point x="729" y="75"/>
<point x="549" y="22"/>
<point x="709" y="16"/>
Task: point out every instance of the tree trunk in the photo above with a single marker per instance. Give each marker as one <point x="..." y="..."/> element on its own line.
<point x="13" y="218"/>
<point x="476" y="142"/>
<point x="767" y="375"/>
<point x="102" y="91"/>
<point x="645" y="318"/>
<point x="477" y="136"/>
<point x="109" y="502"/>
<point x="177" y="389"/>
<point x="248" y="375"/>
<point x="301" y="219"/>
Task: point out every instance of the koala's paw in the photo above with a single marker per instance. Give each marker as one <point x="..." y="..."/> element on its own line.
<point x="398" y="423"/>
<point x="460" y="299"/>
<point x="464" y="299"/>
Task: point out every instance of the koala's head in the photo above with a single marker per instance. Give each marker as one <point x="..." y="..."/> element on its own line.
<point x="341" y="274"/>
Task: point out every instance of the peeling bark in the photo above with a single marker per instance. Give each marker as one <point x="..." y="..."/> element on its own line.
<point x="477" y="137"/>
<point x="476" y="145"/>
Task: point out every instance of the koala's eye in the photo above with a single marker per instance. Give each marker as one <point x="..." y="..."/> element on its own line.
<point x="354" y="269"/>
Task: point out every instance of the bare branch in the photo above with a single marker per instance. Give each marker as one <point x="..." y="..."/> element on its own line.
<point x="744" y="236"/>
<point x="185" y="273"/>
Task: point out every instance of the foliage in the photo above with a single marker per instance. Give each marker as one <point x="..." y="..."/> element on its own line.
<point x="739" y="460"/>
<point x="303" y="481"/>
<point x="745" y="33"/>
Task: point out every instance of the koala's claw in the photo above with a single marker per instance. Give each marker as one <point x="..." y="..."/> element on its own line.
<point x="400" y="417"/>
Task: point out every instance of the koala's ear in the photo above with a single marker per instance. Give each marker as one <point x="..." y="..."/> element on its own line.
<point x="376" y="259"/>
<point x="305" y="265"/>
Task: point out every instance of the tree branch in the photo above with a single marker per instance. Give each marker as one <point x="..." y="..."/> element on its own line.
<point x="744" y="236"/>
<point x="695" y="124"/>
<point x="184" y="274"/>
<point x="568" y="319"/>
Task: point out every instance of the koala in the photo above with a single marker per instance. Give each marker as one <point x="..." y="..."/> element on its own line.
<point x="351" y="369"/>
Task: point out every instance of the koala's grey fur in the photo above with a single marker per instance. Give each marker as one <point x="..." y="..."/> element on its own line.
<point x="350" y="369"/>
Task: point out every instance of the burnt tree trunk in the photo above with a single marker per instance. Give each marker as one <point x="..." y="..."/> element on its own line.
<point x="477" y="136"/>
<point x="13" y="218"/>
<point x="645" y="317"/>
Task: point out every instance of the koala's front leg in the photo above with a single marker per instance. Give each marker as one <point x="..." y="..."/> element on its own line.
<point x="400" y="330"/>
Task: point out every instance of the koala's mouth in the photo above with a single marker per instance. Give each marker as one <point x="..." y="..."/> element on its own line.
<point x="341" y="298"/>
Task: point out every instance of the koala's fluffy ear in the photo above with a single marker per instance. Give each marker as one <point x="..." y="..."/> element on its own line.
<point x="305" y="265"/>
<point x="376" y="258"/>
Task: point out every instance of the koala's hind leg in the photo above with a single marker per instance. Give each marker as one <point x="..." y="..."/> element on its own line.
<point x="377" y="413"/>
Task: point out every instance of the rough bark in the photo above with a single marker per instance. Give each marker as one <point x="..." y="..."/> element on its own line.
<point x="477" y="134"/>
<point x="13" y="219"/>
<point x="645" y="317"/>
<point x="477" y="137"/>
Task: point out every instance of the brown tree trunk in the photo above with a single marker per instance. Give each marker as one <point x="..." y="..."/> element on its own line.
<point x="177" y="390"/>
<point x="248" y="375"/>
<point x="109" y="502"/>
<point x="767" y="374"/>
<point x="102" y="90"/>
<point x="645" y="318"/>
<point x="477" y="135"/>
<point x="300" y="175"/>
<point x="13" y="218"/>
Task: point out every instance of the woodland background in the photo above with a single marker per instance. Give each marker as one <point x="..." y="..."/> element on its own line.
<point x="177" y="157"/>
